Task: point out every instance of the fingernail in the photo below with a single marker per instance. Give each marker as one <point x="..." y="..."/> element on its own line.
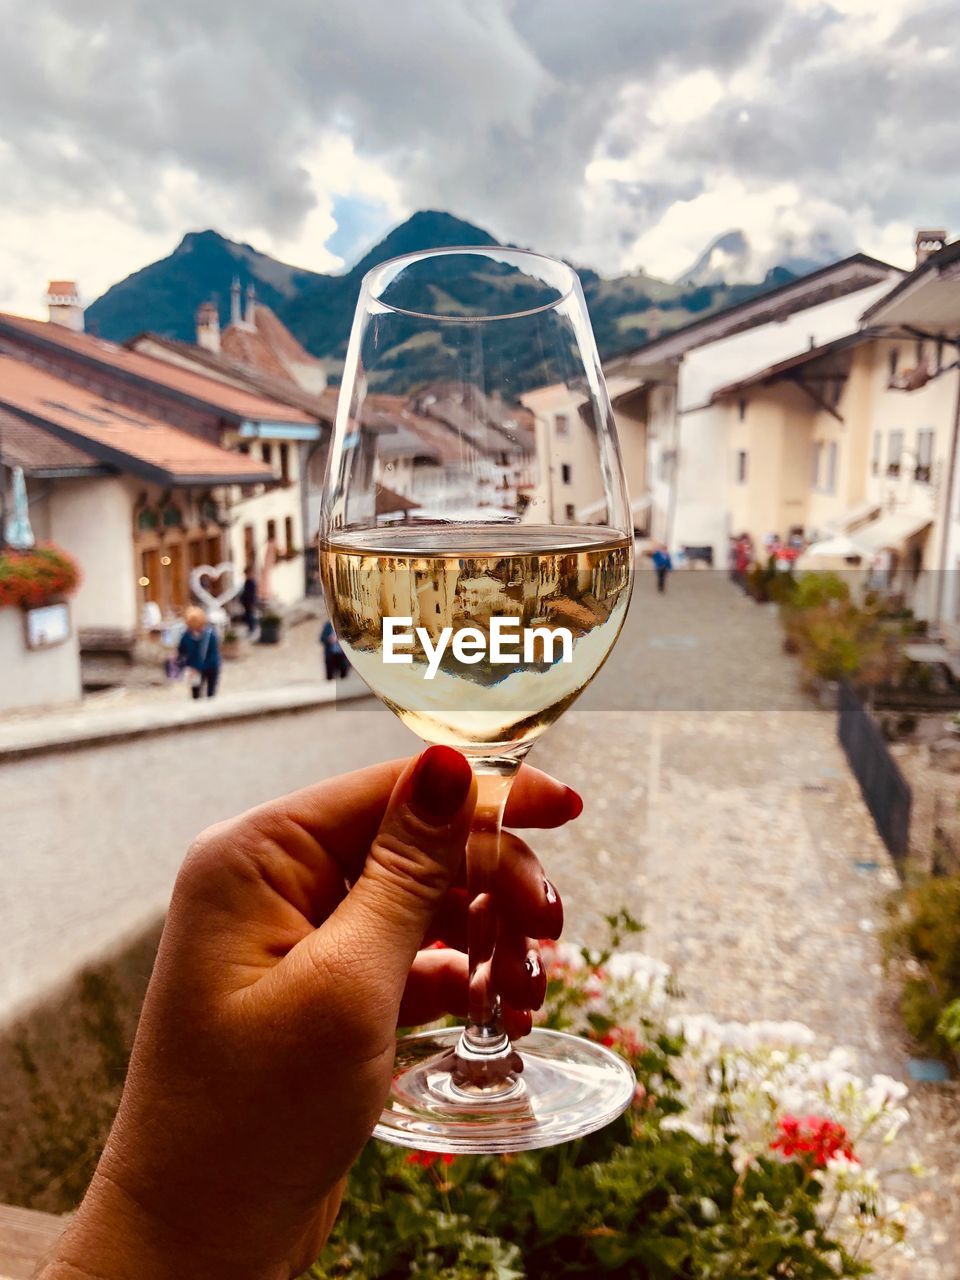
<point x="441" y="783"/>
<point x="550" y="893"/>
<point x="575" y="802"/>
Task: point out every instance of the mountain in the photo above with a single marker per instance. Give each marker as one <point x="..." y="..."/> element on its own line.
<point x="165" y="295"/>
<point x="625" y="310"/>
<point x="732" y="259"/>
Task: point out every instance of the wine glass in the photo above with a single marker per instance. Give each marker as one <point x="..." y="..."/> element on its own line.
<point x="477" y="605"/>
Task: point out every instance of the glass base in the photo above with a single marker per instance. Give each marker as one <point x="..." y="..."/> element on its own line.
<point x="568" y="1088"/>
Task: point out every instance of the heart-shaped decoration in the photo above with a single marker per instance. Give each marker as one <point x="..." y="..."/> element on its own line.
<point x="202" y="571"/>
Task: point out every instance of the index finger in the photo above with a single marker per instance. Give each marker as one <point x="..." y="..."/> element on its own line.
<point x="343" y="814"/>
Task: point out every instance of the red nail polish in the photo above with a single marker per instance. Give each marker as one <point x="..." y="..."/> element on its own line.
<point x="441" y="783"/>
<point x="575" y="802"/>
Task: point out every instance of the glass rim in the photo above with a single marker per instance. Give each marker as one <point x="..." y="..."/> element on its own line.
<point x="392" y="267"/>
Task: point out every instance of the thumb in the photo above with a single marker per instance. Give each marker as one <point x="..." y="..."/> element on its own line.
<point x="414" y="858"/>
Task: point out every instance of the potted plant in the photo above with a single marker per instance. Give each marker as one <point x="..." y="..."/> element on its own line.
<point x="270" y="627"/>
<point x="41" y="575"/>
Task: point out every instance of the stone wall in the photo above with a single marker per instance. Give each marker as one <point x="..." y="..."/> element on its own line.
<point x="62" y="1067"/>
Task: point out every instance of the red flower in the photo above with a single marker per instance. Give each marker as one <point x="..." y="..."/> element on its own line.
<point x="812" y="1140"/>
<point x="34" y="577"/>
<point x="427" y="1159"/>
<point x="624" y="1040"/>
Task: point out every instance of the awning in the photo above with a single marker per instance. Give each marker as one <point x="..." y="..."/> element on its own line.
<point x="837" y="547"/>
<point x="850" y="518"/>
<point x="890" y="533"/>
<point x="637" y="507"/>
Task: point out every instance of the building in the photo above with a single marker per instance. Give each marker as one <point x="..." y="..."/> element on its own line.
<point x="687" y="448"/>
<point x="445" y="448"/>
<point x="569" y="486"/>
<point x="265" y="522"/>
<point x="920" y="429"/>
<point x="136" y="501"/>
<point x="853" y="443"/>
<point x="260" y="341"/>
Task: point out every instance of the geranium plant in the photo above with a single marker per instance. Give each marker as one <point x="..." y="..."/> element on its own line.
<point x="29" y="579"/>
<point x="743" y="1155"/>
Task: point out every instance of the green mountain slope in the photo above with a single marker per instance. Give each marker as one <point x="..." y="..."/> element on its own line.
<point x="163" y="297"/>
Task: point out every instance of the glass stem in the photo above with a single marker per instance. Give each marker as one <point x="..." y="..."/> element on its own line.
<point x="485" y="1060"/>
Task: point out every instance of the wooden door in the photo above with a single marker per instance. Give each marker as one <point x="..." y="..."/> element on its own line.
<point x="151" y="586"/>
<point x="178" y="590"/>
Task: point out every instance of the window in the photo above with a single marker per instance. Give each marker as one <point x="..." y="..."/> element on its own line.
<point x="830" y="485"/>
<point x="570" y="512"/>
<point x="740" y="466"/>
<point x="285" y="463"/>
<point x="924" y="465"/>
<point x="742" y="409"/>
<point x="266" y="453"/>
<point x="894" y="452"/>
<point x="288" y="535"/>
<point x="816" y="457"/>
<point x="893" y="358"/>
<point x="271" y="530"/>
<point x="561" y="424"/>
<point x="875" y="454"/>
<point x="566" y="471"/>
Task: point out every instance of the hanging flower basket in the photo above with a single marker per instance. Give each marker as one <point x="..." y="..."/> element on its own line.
<point x="42" y="575"/>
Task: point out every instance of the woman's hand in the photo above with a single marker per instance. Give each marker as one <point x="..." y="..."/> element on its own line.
<point x="264" y="1051"/>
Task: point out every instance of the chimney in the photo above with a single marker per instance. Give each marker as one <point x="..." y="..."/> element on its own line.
<point x="251" y="317"/>
<point x="235" y="318"/>
<point x="929" y="240"/>
<point x="208" y="327"/>
<point x="63" y="299"/>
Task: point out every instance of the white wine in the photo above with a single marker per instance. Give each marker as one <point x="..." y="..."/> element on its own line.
<point x="499" y="684"/>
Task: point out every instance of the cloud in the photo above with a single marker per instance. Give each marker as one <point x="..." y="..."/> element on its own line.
<point x="617" y="134"/>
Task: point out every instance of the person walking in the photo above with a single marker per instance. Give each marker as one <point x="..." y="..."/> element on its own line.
<point x="334" y="658"/>
<point x="248" y="599"/>
<point x="663" y="564"/>
<point x="199" y="649"/>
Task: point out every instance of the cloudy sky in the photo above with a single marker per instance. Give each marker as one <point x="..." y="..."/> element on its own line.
<point x="616" y="133"/>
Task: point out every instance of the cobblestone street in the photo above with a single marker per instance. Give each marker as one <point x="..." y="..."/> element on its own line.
<point x="731" y="826"/>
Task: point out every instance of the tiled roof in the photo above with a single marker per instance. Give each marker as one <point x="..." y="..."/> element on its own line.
<point x="232" y="401"/>
<point x="250" y="349"/>
<point x="784" y="368"/>
<point x="322" y="406"/>
<point x="273" y="330"/>
<point x="62" y="286"/>
<point x="128" y="440"/>
<point x="23" y="444"/>
<point x="269" y="347"/>
<point x="387" y="501"/>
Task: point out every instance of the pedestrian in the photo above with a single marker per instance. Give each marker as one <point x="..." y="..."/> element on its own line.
<point x="297" y="939"/>
<point x="199" y="649"/>
<point x="334" y="658"/>
<point x="742" y="560"/>
<point x="248" y="599"/>
<point x="663" y="564"/>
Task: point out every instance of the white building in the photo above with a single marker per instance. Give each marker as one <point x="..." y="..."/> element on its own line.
<point x="687" y="445"/>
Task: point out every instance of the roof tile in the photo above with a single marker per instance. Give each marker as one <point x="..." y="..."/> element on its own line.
<point x="113" y="433"/>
